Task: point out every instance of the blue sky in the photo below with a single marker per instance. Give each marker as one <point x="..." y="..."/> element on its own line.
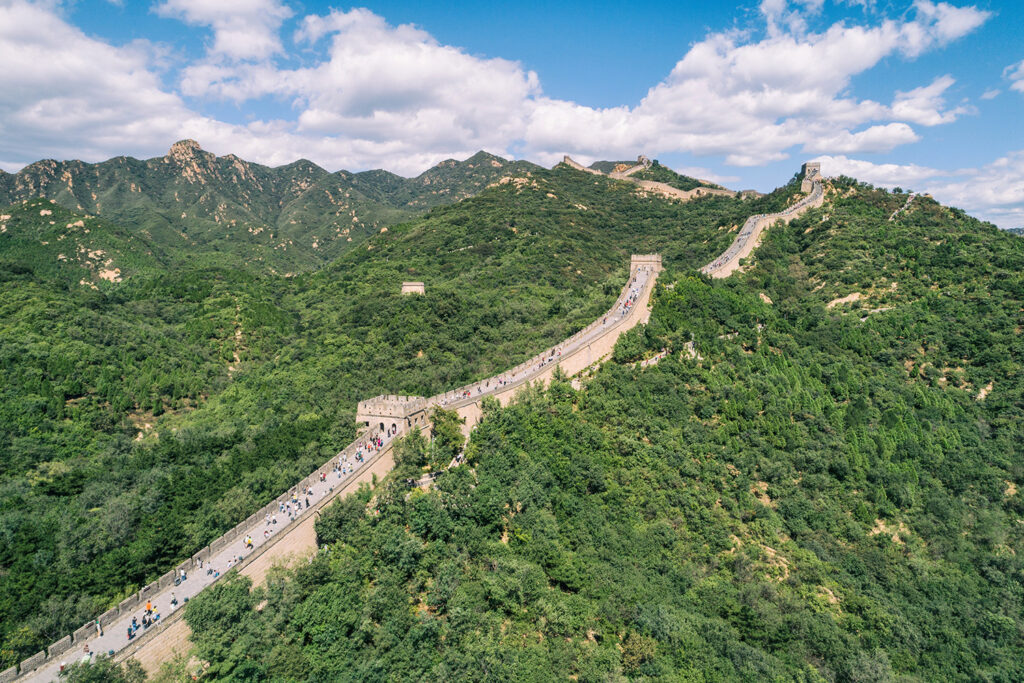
<point x="926" y="95"/>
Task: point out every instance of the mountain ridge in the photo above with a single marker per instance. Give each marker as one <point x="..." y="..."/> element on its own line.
<point x="297" y="215"/>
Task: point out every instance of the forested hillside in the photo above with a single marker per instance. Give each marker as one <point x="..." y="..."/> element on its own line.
<point x="812" y="485"/>
<point x="144" y="414"/>
<point x="228" y="211"/>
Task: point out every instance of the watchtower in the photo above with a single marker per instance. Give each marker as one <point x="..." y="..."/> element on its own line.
<point x="387" y="411"/>
<point x="650" y="262"/>
<point x="413" y="288"/>
<point x="811" y="172"/>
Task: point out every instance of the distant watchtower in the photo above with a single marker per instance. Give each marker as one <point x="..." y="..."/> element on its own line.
<point x="651" y="262"/>
<point x="413" y="288"/>
<point x="812" y="172"/>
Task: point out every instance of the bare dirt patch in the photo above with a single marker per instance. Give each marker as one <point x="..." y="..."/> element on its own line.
<point x="849" y="298"/>
<point x="759" y="489"/>
<point x="897" y="531"/>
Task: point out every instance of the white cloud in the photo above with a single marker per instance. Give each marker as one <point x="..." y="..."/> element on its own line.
<point x="370" y="94"/>
<point x="242" y="29"/>
<point x="994" y="191"/>
<point x="751" y="101"/>
<point x="874" y="139"/>
<point x="386" y="87"/>
<point x="884" y="175"/>
<point x="949" y="22"/>
<point x="1015" y="73"/>
<point x="990" y="94"/>
<point x="69" y="95"/>
<point x="925" y="105"/>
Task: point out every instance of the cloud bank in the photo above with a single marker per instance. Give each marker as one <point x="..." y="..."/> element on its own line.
<point x="368" y="94"/>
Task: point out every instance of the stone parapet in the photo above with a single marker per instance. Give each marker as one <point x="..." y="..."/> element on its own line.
<point x="32" y="662"/>
<point x="60" y="647"/>
<point x="83" y="633"/>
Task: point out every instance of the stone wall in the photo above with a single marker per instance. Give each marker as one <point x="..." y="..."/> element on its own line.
<point x="33" y="662"/>
<point x="568" y="161"/>
<point x="746" y="241"/>
<point x="60" y="647"/>
<point x="413" y="288"/>
<point x="654" y="186"/>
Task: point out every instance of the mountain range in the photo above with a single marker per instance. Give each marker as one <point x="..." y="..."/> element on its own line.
<point x="291" y="217"/>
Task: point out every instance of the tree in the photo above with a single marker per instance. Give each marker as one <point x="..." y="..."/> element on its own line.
<point x="104" y="670"/>
<point x="411" y="451"/>
<point x="446" y="432"/>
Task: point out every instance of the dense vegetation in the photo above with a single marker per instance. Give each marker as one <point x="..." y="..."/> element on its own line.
<point x="819" y="488"/>
<point x="140" y="419"/>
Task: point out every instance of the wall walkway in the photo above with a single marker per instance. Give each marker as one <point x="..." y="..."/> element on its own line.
<point x="750" y="235"/>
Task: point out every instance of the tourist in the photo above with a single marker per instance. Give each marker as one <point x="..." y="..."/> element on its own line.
<point x="99" y="628"/>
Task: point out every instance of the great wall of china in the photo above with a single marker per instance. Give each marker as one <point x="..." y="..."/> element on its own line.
<point x="653" y="186"/>
<point x="385" y="418"/>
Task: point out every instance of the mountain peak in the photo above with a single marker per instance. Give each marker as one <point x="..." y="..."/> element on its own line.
<point x="184" y="149"/>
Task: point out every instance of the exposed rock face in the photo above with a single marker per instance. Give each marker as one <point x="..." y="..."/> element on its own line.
<point x="183" y="149"/>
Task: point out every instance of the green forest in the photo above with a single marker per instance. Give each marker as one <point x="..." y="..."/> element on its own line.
<point x="819" y="482"/>
<point x="810" y="487"/>
<point x="142" y="418"/>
